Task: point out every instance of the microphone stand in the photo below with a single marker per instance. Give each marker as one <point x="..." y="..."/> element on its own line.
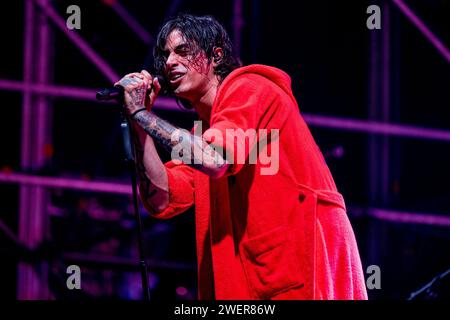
<point x="130" y="156"/>
<point x="116" y="94"/>
<point x="429" y="290"/>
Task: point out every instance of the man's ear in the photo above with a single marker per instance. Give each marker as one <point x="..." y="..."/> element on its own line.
<point x="217" y="54"/>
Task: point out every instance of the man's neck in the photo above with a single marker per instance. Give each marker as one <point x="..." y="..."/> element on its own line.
<point x="204" y="105"/>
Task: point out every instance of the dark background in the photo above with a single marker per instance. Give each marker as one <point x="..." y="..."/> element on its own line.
<point x="325" y="47"/>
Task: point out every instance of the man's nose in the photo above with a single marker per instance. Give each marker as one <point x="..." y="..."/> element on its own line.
<point x="171" y="60"/>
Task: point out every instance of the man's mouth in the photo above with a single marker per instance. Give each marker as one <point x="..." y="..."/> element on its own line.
<point x="176" y="78"/>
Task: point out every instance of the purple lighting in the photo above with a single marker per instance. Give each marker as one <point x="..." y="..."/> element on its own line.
<point x="163" y="103"/>
<point x="369" y="80"/>
<point x="423" y="29"/>
<point x="67" y="183"/>
<point x="409" y="217"/>
<point x="132" y="22"/>
<point x="79" y="42"/>
<point x="377" y="127"/>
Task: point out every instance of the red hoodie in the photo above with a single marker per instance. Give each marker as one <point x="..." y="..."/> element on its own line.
<point x="282" y="235"/>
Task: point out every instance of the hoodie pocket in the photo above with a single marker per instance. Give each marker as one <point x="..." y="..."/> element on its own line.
<point x="271" y="264"/>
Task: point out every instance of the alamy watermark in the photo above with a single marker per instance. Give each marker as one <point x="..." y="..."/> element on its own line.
<point x="374" y="280"/>
<point x="74" y="20"/>
<point x="249" y="146"/>
<point x="74" y="280"/>
<point x="374" y="20"/>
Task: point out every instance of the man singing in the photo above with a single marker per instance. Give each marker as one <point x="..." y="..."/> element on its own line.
<point x="267" y="227"/>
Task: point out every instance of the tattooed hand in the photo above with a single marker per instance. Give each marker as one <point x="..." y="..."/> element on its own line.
<point x="141" y="90"/>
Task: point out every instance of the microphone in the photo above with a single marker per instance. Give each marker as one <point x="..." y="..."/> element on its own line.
<point x="116" y="92"/>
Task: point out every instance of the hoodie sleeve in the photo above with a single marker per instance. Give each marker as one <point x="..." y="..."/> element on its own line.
<point x="244" y="106"/>
<point x="181" y="191"/>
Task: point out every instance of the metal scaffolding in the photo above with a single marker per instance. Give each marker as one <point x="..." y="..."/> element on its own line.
<point x="37" y="87"/>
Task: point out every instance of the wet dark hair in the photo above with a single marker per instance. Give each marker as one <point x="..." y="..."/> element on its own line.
<point x="202" y="33"/>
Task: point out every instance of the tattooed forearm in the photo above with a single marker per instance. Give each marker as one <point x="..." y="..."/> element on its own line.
<point x="148" y="190"/>
<point x="159" y="130"/>
<point x="169" y="136"/>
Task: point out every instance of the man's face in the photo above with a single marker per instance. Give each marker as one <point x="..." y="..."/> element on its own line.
<point x="190" y="77"/>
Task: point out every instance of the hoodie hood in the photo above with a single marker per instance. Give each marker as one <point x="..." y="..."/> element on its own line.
<point x="279" y="77"/>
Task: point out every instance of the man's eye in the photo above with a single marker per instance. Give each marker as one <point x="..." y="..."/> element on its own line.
<point x="183" y="52"/>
